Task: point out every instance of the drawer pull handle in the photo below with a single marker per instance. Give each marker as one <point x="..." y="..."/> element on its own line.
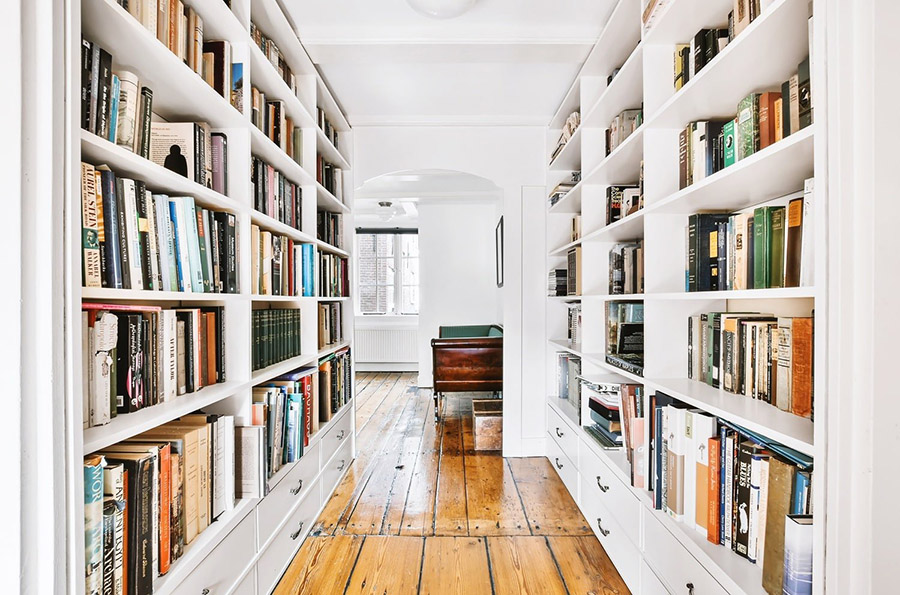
<point x="690" y="588"/>
<point x="600" y="485"/>
<point x="605" y="532"/>
<point x="204" y="592"/>
<point x="297" y="489"/>
<point x="558" y="433"/>
<point x="296" y="533"/>
<point x="558" y="464"/>
<point x="341" y="435"/>
<point x="343" y="463"/>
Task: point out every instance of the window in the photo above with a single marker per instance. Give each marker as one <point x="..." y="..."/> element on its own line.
<point x="388" y="269"/>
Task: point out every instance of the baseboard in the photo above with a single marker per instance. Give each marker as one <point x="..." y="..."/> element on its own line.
<point x="527" y="447"/>
<point x="387" y="367"/>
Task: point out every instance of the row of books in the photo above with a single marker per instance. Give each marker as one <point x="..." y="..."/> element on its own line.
<point x="706" y="147"/>
<point x="275" y="57"/>
<point x="275" y="336"/>
<point x="563" y="188"/>
<point x="736" y="487"/>
<point x="147" y="498"/>
<point x="271" y="117"/>
<point x="333" y="276"/>
<point x="573" y="121"/>
<point x="575" y="234"/>
<point x="134" y="239"/>
<point x="762" y="248"/>
<point x="330" y="176"/>
<point x="760" y="356"/>
<point x="557" y="282"/>
<point x="136" y="356"/>
<point x="605" y="402"/>
<point x="280" y="266"/>
<point x="574" y="333"/>
<point x="568" y="370"/>
<point x="325" y="125"/>
<point x="330" y="228"/>
<point x="274" y="194"/>
<point x="623" y="200"/>
<point x="331" y="324"/>
<point x="625" y="336"/>
<point x="622" y="127"/>
<point x="626" y="268"/>
<point x="335" y="382"/>
<point x="691" y="57"/>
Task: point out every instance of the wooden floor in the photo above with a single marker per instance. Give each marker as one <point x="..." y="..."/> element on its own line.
<point x="420" y="511"/>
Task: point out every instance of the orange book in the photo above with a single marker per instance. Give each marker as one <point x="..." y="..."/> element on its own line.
<point x="712" y="494"/>
<point x="165" y="506"/>
<point x="767" y="119"/>
<point x="801" y="367"/>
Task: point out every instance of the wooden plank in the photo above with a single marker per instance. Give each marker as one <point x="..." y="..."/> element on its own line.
<point x="322" y="565"/>
<point x="492" y="500"/>
<point x="524" y="565"/>
<point x="585" y="567"/>
<point x="418" y="514"/>
<point x="455" y="566"/>
<point x="387" y="565"/>
<point x="548" y="506"/>
<point x="450" y="516"/>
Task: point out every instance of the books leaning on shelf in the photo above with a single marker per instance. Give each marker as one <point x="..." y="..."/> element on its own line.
<point x="626" y="268"/>
<point x="568" y="131"/>
<point x="690" y="58"/>
<point x="139" y="356"/>
<point x="275" y="58"/>
<point x="621" y="201"/>
<point x="734" y="486"/>
<point x="560" y="191"/>
<point x="556" y="283"/>
<point x="568" y="387"/>
<point x="756" y="249"/>
<point x="573" y="271"/>
<point x="604" y="421"/>
<point x="759" y="356"/>
<point x="134" y="239"/>
<point x="335" y="386"/>
<point x="190" y="149"/>
<point x="275" y="195"/>
<point x="331" y="324"/>
<point x="573" y="326"/>
<point x="333" y="276"/>
<point x="271" y="117"/>
<point x="330" y="176"/>
<point x="330" y="228"/>
<point x="280" y="266"/>
<point x="275" y="336"/>
<point x="622" y="127"/>
<point x="148" y="497"/>
<point x="625" y="336"/>
<point x="325" y="125"/>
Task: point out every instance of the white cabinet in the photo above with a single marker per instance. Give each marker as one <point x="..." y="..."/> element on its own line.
<point x="600" y="483"/>
<point x="247" y="586"/>
<point x="650" y="583"/>
<point x="289" y="491"/>
<point x="561" y="432"/>
<point x="678" y="569"/>
<point x="564" y="466"/>
<point x="218" y="572"/>
<point x="336" y="436"/>
<point x="335" y="468"/>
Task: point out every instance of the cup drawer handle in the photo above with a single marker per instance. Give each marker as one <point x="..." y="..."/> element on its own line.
<point x="559" y="434"/>
<point x="558" y="464"/>
<point x="600" y="485"/>
<point x="341" y="435"/>
<point x="296" y="533"/>
<point x="605" y="532"/>
<point x="690" y="588"/>
<point x="296" y="490"/>
<point x="342" y="465"/>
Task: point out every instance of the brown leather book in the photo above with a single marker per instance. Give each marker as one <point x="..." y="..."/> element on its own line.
<point x="781" y="480"/>
<point x="793" y="243"/>
<point x="211" y="342"/>
<point x="801" y="367"/>
<point x="767" y="118"/>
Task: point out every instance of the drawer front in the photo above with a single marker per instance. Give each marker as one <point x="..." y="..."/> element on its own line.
<point x="601" y="483"/>
<point x="247" y="586"/>
<point x="564" y="467"/>
<point x="675" y="566"/>
<point x="619" y="547"/>
<point x="561" y="432"/>
<point x="290" y="490"/>
<point x="337" y="435"/>
<point x="276" y="557"/>
<point x="218" y="572"/>
<point x="650" y="583"/>
<point x="335" y="468"/>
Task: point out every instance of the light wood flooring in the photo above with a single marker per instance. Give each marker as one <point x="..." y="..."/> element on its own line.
<point x="420" y="511"/>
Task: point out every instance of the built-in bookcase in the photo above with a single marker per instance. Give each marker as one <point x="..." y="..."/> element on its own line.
<point x="247" y="548"/>
<point x="653" y="552"/>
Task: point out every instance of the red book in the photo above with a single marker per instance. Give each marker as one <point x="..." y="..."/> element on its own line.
<point x="712" y="519"/>
<point x="211" y="343"/>
<point x="307" y="409"/>
<point x="165" y="506"/>
<point x="767" y="119"/>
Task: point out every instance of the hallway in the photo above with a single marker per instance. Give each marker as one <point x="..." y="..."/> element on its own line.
<point x="420" y="511"/>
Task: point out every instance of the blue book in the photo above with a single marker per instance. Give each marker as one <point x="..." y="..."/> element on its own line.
<point x="193" y="243"/>
<point x="800" y="493"/>
<point x="308" y="268"/>
<point x="113" y="108"/>
<point x="177" y="221"/>
<point x="111" y="230"/>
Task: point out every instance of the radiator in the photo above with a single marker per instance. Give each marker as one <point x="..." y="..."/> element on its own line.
<point x="386" y="345"/>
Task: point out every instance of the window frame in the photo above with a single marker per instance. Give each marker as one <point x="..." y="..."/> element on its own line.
<point x="398" y="258"/>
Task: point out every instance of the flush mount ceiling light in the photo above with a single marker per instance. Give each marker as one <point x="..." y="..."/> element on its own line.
<point x="442" y="9"/>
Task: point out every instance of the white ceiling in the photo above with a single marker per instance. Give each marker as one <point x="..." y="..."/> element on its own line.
<point x="504" y="62"/>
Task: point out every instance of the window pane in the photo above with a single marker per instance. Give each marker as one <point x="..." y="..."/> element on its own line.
<point x="385" y="245"/>
<point x="386" y="299"/>
<point x="368" y="300"/>
<point x="409" y="245"/>
<point x="410" y="296"/>
<point x="365" y="245"/>
<point x="410" y="272"/>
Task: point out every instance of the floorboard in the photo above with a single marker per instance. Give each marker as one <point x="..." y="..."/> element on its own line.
<point x="455" y="566"/>
<point x="387" y="565"/>
<point x="524" y="565"/>
<point x="585" y="567"/>
<point x="323" y="565"/>
<point x="549" y="507"/>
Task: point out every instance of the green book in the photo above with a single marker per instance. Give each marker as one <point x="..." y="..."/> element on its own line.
<point x="728" y="149"/>
<point x="762" y="224"/>
<point x="748" y="126"/>
<point x="776" y="246"/>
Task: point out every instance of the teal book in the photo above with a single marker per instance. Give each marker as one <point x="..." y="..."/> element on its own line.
<point x="93" y="525"/>
<point x="193" y="243"/>
<point x="762" y="225"/>
<point x="728" y="150"/>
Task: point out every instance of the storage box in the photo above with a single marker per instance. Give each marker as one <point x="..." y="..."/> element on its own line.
<point x="487" y="421"/>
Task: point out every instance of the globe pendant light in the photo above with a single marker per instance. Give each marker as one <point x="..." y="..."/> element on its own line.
<point x="442" y="9"/>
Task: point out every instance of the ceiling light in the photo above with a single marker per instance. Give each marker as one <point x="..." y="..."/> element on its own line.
<point x="442" y="9"/>
<point x="385" y="210"/>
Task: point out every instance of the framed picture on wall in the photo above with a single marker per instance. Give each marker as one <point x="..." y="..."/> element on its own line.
<point x="498" y="251"/>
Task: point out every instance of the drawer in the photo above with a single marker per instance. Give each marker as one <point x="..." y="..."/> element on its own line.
<point x="335" y="468"/>
<point x="218" y="572"/>
<point x="280" y="551"/>
<point x="619" y="545"/>
<point x="601" y="483"/>
<point x="650" y="583"/>
<point x="247" y="586"/>
<point x="676" y="567"/>
<point x="291" y="489"/>
<point x="337" y="435"/>
<point x="561" y="432"/>
<point x="564" y="467"/>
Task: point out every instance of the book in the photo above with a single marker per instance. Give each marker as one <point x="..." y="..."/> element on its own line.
<point x="93" y="524"/>
<point x="781" y="476"/>
<point x="748" y="126"/>
<point x="808" y="240"/>
<point x="767" y="118"/>
<point x="798" y="555"/>
<point x="804" y="95"/>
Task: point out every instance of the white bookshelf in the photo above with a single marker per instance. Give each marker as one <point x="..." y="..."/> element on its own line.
<point x="653" y="542"/>
<point x="213" y="563"/>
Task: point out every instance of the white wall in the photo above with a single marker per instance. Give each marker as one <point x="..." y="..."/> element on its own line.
<point x="511" y="157"/>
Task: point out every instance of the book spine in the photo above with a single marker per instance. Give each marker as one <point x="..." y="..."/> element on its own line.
<point x="144" y="122"/>
<point x="776" y="247"/>
<point x="90" y="222"/>
<point x="143" y="235"/>
<point x="114" y="108"/>
<point x="128" y="107"/>
<point x="104" y="89"/>
<point x="93" y="525"/>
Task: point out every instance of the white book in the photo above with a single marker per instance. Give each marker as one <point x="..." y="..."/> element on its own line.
<point x="762" y="513"/>
<point x="135" y="276"/>
<point x="162" y="22"/>
<point x="756" y="465"/>
<point x="729" y="488"/>
<point x="193" y="242"/>
<point x="698" y="150"/>
<point x="675" y="463"/>
<point x="704" y="428"/>
<point x="798" y="554"/>
<point x="249" y="461"/>
<point x="86" y="371"/>
<point x="126" y="125"/>
<point x="808" y="239"/>
<point x="105" y="335"/>
<point x="784" y="375"/>
<point x="162" y="223"/>
<point x="168" y="354"/>
<point x="152" y="243"/>
<point x="177" y="214"/>
<point x="149" y="14"/>
<point x="229" y="465"/>
<point x="218" y="494"/>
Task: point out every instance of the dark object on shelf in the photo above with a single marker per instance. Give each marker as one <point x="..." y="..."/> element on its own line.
<point x="467" y="359"/>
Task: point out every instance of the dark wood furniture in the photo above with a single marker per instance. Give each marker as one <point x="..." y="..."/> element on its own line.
<point x="467" y="359"/>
